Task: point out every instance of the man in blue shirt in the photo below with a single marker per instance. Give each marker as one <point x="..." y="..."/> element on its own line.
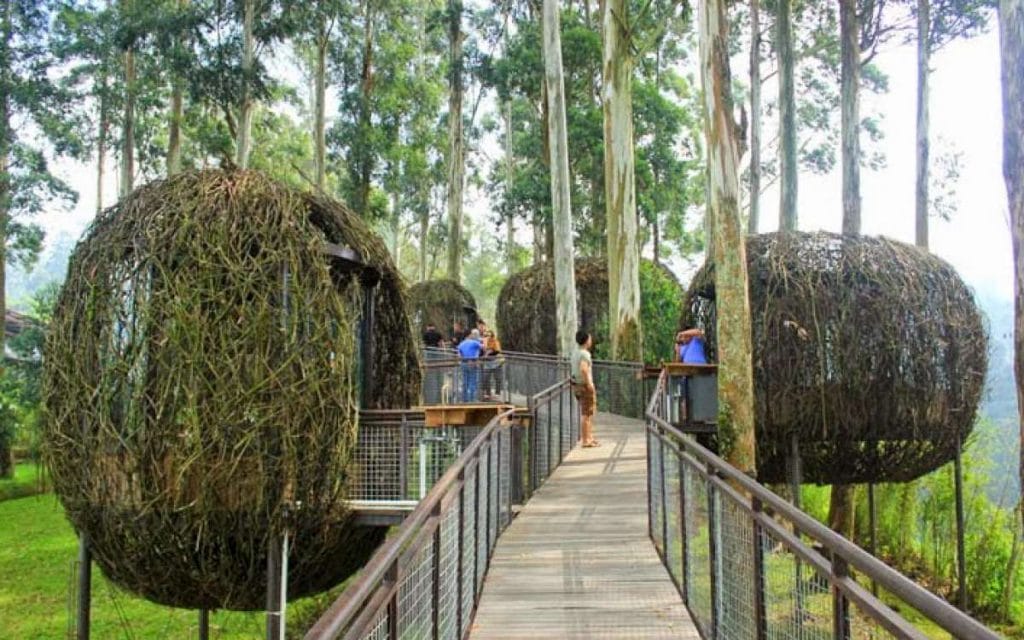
<point x="469" y="351"/>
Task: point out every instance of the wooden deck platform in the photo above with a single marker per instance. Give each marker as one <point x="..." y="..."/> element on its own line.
<point x="577" y="561"/>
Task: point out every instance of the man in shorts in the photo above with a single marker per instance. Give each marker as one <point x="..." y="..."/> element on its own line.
<point x="583" y="386"/>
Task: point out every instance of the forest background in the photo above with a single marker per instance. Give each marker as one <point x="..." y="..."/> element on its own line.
<point x="387" y="74"/>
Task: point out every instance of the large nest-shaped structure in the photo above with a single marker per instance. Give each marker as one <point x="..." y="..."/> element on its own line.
<point x="201" y="380"/>
<point x="441" y="303"/>
<point x="872" y="352"/>
<point x="526" y="308"/>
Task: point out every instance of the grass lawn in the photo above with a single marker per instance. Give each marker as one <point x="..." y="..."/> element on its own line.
<point x="38" y="550"/>
<point x="26" y="482"/>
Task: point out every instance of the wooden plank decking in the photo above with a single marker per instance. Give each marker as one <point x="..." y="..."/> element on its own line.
<point x="577" y="561"/>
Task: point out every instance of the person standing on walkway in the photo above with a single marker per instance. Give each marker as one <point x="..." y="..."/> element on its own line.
<point x="582" y="379"/>
<point x="469" y="351"/>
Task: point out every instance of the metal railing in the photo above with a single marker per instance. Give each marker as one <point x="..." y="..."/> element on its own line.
<point x="449" y="380"/>
<point x="425" y="580"/>
<point x="749" y="565"/>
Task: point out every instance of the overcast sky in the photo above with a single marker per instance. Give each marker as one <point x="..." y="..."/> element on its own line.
<point x="965" y="110"/>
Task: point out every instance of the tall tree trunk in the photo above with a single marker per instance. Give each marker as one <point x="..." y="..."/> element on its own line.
<point x="787" y="119"/>
<point x="456" y="159"/>
<point x="1011" y="39"/>
<point x="366" y="155"/>
<point x="510" y="232"/>
<point x="850" y="125"/>
<point x="754" y="219"/>
<point x="619" y="185"/>
<point x="243" y="144"/>
<point x="424" y="230"/>
<point x="6" y="195"/>
<point x="102" y="131"/>
<point x="177" y="107"/>
<point x="841" y="510"/>
<point x="538" y="239"/>
<point x="735" y="372"/>
<point x="923" y="56"/>
<point x="841" y="516"/>
<point x="561" y="206"/>
<point x="128" y="123"/>
<point x="320" y="109"/>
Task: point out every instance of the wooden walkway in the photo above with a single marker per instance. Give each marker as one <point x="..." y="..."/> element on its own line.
<point x="577" y="562"/>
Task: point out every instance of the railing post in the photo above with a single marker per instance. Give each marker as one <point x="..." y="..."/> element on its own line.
<point x="664" y="497"/>
<point x="533" y="443"/>
<point x="760" y="615"/>
<point x="461" y="553"/>
<point x="713" y="559"/>
<point x="476" y="523"/>
<point x="684" y="587"/>
<point x="840" y="607"/>
<point x="435" y="582"/>
<point x="403" y="459"/>
<point x="561" y="429"/>
<point x="650" y="470"/>
<point x="393" y="576"/>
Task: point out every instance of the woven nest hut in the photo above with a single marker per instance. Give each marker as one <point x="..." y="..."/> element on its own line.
<point x="441" y="303"/>
<point x="526" y="308"/>
<point x="872" y="352"/>
<point x="201" y="385"/>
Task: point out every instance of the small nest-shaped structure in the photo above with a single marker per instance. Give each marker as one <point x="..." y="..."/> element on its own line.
<point x="201" y="383"/>
<point x="526" y="308"/>
<point x="872" y="352"/>
<point x="441" y="303"/>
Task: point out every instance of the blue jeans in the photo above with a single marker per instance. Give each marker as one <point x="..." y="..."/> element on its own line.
<point x="470" y="372"/>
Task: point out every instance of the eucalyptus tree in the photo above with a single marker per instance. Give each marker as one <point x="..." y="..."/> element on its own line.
<point x="620" y="182"/>
<point x="456" y="143"/>
<point x="938" y="23"/>
<point x="787" y="117"/>
<point x="723" y="135"/>
<point x="565" y="275"/>
<point x="1011" y="41"/>
<point x="35" y="120"/>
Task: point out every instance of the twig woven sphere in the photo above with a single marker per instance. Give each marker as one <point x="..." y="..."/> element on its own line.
<point x="202" y="387"/>
<point x="440" y="302"/>
<point x="526" y="308"/>
<point x="871" y="351"/>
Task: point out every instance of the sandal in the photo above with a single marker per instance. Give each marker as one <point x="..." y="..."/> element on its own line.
<point x="591" y="444"/>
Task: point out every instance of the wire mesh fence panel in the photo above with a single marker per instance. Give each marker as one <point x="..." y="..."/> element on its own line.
<point x="415" y="606"/>
<point x="565" y="420"/>
<point x="698" y="550"/>
<point x="468" y="547"/>
<point x="673" y="537"/>
<point x="619" y="390"/>
<point x="379" y="629"/>
<point x="797" y="600"/>
<point x="447" y="618"/>
<point x="378" y="462"/>
<point x="736" y="559"/>
<point x="657" y="482"/>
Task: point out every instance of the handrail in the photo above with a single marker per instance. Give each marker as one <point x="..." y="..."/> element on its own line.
<point x="351" y="602"/>
<point x="939" y="611"/>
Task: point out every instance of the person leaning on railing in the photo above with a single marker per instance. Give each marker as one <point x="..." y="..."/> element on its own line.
<point x="469" y="352"/>
<point x="582" y="379"/>
<point x="493" y="362"/>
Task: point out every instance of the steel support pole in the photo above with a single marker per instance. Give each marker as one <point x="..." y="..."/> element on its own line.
<point x="277" y="581"/>
<point x="873" y="532"/>
<point x="84" y="587"/>
<point x="204" y="624"/>
<point x="961" y="555"/>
